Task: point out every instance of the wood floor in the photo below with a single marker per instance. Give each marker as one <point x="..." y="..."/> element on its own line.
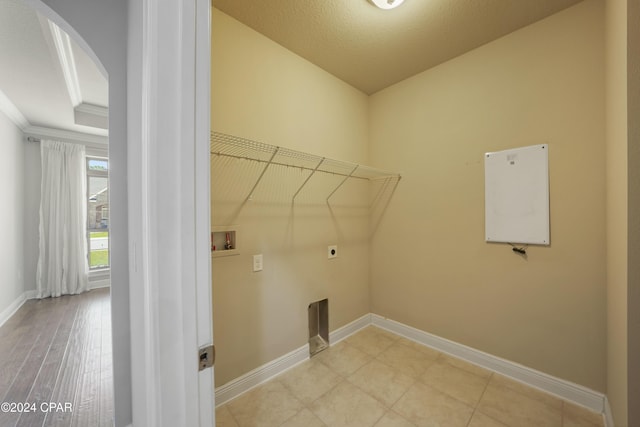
<point x="56" y="363"/>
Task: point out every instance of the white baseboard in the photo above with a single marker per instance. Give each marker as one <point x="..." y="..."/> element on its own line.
<point x="97" y="284"/>
<point x="608" y="414"/>
<point x="349" y="329"/>
<point x="15" y="306"/>
<point x="563" y="389"/>
<point x="32" y="294"/>
<point x="261" y="374"/>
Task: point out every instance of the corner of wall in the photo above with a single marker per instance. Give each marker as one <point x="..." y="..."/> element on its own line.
<point x="633" y="291"/>
<point x="617" y="176"/>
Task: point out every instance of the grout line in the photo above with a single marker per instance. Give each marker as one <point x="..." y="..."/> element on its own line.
<point x="475" y="408"/>
<point x="231" y="413"/>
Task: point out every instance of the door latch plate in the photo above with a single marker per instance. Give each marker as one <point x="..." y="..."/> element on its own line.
<point x="206" y="357"/>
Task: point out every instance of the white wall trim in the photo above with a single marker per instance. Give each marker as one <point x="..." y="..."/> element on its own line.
<point x="202" y="201"/>
<point x="94" y="116"/>
<point x="608" y="414"/>
<point x="62" y="43"/>
<point x="264" y="373"/>
<point x="11" y="111"/>
<point x="349" y="329"/>
<point x="15" y="306"/>
<point x="96" y="110"/>
<point x="261" y="374"/>
<point x="100" y="283"/>
<point x="66" y="135"/>
<point x="563" y="389"/>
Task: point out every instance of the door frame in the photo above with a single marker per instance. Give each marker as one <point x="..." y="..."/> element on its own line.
<point x="171" y="249"/>
<point x="167" y="49"/>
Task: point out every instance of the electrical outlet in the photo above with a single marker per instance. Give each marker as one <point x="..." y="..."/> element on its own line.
<point x="332" y="251"/>
<point x="257" y="262"/>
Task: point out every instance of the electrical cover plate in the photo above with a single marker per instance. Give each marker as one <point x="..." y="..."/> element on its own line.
<point x="332" y="251"/>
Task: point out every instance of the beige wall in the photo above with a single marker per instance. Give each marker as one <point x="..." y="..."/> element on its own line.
<point x="562" y="311"/>
<point x="633" y="292"/>
<point x="263" y="92"/>
<point x="431" y="268"/>
<point x="616" y="154"/>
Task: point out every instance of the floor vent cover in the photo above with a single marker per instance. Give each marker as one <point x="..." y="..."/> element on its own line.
<point x="318" y="326"/>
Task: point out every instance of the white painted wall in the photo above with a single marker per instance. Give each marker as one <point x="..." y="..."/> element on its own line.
<point x="11" y="213"/>
<point x="32" y="178"/>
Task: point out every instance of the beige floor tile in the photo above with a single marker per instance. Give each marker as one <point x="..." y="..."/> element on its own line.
<point x="391" y="419"/>
<point x="346" y="405"/>
<point x="309" y="380"/>
<point x="405" y="385"/>
<point x="425" y="406"/>
<point x="577" y="416"/>
<point x="406" y="359"/>
<point x="515" y="409"/>
<point x="372" y="340"/>
<point x="465" y="366"/>
<point x="459" y="384"/>
<point x="270" y="404"/>
<point x="304" y="418"/>
<point x="343" y="358"/>
<point x="481" y="420"/>
<point x="381" y="381"/>
<point x="533" y="393"/>
<point x="224" y="417"/>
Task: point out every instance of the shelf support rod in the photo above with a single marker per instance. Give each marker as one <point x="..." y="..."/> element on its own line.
<point x="308" y="178"/>
<point x="381" y="191"/>
<point x="263" y="172"/>
<point x="342" y="182"/>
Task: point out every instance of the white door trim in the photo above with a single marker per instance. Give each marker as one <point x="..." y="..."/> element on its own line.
<point x="169" y="201"/>
<point x="203" y="203"/>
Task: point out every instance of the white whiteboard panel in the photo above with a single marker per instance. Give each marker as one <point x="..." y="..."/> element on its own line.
<point x="516" y="201"/>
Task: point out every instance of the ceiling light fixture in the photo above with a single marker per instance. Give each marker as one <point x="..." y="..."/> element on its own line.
<point x="387" y="4"/>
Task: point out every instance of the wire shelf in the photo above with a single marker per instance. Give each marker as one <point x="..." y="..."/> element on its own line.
<point x="234" y="147"/>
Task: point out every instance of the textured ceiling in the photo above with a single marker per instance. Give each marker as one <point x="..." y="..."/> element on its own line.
<point x="371" y="48"/>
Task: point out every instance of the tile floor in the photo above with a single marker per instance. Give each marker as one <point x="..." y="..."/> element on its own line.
<point x="375" y="378"/>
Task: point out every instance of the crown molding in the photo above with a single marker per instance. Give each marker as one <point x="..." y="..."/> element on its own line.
<point x="11" y="111"/>
<point x="91" y="115"/>
<point x="62" y="43"/>
<point x="96" y="110"/>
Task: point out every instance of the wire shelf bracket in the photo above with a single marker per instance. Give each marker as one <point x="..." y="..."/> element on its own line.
<point x="308" y="178"/>
<point x="271" y="155"/>
<point x="342" y="182"/>
<point x="269" y="162"/>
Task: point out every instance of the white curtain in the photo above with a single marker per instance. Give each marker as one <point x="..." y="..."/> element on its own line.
<point x="63" y="267"/>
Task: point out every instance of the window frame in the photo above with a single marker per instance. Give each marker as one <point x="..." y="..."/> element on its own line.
<point x="100" y="174"/>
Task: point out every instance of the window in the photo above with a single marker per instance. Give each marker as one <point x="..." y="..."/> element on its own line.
<point x="98" y="212"/>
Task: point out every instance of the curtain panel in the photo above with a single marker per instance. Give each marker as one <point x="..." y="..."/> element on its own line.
<point x="63" y="266"/>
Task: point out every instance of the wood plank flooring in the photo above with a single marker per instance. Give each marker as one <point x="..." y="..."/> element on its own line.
<point x="55" y="359"/>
